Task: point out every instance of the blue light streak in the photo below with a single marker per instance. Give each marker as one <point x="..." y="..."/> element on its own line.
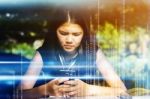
<point x="14" y="77"/>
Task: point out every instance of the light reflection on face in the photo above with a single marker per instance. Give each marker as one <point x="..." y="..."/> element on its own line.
<point x="70" y="36"/>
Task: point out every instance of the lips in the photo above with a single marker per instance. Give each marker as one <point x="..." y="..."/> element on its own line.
<point x="68" y="46"/>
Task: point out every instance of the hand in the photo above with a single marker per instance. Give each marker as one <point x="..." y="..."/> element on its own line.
<point x="53" y="87"/>
<point x="75" y="88"/>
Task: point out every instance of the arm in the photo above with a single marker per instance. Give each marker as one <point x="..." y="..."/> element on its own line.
<point x="116" y="86"/>
<point x="26" y="89"/>
<point x="49" y="89"/>
<point x="108" y="72"/>
<point x="30" y="78"/>
<point x="28" y="81"/>
<point x="33" y="93"/>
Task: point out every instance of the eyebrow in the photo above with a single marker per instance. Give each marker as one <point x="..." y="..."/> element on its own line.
<point x="62" y="31"/>
<point x="72" y="32"/>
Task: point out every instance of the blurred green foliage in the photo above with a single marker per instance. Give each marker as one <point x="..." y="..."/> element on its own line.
<point x="113" y="40"/>
<point x="108" y="37"/>
<point x="23" y="49"/>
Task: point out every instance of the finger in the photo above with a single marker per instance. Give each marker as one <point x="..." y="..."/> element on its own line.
<point x="68" y="89"/>
<point x="64" y="86"/>
<point x="61" y="87"/>
<point x="73" y="93"/>
<point x="61" y="80"/>
<point x="71" y="82"/>
<point x="55" y="81"/>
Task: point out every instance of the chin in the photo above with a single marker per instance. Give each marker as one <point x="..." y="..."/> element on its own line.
<point x="69" y="51"/>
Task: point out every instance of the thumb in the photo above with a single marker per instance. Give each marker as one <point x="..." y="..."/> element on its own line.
<point x="61" y="80"/>
<point x="56" y="81"/>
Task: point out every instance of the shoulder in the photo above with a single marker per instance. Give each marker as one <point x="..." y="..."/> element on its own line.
<point x="37" y="57"/>
<point x="99" y="54"/>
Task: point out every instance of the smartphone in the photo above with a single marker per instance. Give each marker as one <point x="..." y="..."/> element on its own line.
<point x="64" y="81"/>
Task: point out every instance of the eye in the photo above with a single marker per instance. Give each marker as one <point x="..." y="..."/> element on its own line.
<point x="63" y="33"/>
<point x="76" y="34"/>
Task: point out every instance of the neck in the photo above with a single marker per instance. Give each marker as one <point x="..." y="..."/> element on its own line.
<point x="69" y="55"/>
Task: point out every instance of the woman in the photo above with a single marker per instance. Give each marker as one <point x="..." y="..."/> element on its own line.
<point x="68" y="47"/>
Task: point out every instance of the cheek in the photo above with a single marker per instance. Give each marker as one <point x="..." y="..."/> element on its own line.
<point x="61" y="39"/>
<point x="78" y="40"/>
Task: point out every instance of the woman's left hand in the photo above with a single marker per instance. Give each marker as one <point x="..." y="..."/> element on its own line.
<point x="75" y="88"/>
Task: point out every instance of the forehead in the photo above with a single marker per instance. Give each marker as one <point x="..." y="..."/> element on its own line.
<point x="70" y="27"/>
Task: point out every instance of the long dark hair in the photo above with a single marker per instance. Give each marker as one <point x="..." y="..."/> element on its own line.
<point x="58" y="17"/>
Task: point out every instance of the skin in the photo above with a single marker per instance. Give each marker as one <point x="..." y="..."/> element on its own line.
<point x="70" y="36"/>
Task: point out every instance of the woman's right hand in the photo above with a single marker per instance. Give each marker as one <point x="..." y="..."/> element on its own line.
<point x="52" y="87"/>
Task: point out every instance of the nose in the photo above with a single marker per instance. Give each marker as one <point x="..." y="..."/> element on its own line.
<point x="69" y="39"/>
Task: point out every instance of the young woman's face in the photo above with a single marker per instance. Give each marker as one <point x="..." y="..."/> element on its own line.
<point x="70" y="36"/>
